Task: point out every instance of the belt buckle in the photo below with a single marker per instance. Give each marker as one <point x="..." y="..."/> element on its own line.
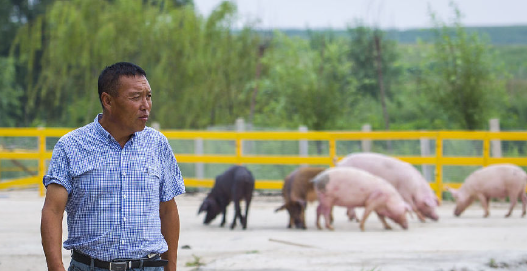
<point x="118" y="266"/>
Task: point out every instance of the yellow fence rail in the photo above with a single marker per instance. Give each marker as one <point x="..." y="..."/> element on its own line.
<point x="438" y="159"/>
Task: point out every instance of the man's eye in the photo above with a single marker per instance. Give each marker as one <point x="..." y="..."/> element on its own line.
<point x="136" y="98"/>
<point x="149" y="96"/>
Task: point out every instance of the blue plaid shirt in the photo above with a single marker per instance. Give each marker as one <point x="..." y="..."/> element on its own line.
<point x="113" y="192"/>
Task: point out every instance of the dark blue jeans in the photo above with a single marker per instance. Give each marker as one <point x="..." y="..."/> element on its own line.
<point x="76" y="266"/>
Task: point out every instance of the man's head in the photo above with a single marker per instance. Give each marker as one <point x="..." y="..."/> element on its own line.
<point x="109" y="79"/>
<point x="125" y="96"/>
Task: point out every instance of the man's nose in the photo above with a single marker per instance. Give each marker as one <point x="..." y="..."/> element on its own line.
<point x="146" y="104"/>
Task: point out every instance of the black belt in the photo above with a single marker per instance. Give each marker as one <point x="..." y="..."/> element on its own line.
<point x="120" y="264"/>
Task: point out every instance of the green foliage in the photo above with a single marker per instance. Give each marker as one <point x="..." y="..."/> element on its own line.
<point x="461" y="78"/>
<point x="305" y="85"/>
<point x="10" y="93"/>
<point x="203" y="73"/>
<point x="13" y="15"/>
<point x="198" y="70"/>
<point x="362" y="54"/>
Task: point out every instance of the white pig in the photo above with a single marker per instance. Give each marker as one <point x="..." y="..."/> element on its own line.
<point x="410" y="183"/>
<point x="495" y="181"/>
<point x="350" y="187"/>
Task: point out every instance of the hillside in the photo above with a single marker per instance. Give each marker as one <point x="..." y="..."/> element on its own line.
<point x="502" y="35"/>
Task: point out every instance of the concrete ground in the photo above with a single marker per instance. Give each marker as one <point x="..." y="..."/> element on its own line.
<point x="466" y="243"/>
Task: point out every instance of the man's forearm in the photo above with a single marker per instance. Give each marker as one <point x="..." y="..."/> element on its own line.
<point x="170" y="229"/>
<point x="51" y="232"/>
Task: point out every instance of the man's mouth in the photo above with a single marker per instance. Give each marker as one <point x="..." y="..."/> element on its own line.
<point x="145" y="117"/>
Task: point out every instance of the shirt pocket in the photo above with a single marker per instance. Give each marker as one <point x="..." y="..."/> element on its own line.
<point x="152" y="182"/>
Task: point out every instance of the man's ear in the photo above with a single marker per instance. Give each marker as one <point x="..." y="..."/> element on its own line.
<point x="106" y="100"/>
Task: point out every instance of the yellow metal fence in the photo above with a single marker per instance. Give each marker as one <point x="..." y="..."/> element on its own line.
<point x="43" y="154"/>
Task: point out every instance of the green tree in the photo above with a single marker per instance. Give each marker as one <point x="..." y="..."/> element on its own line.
<point x="10" y="103"/>
<point x="374" y="57"/>
<point x="198" y="69"/>
<point x="362" y="53"/>
<point x="16" y="13"/>
<point x="306" y="83"/>
<point x="461" y="77"/>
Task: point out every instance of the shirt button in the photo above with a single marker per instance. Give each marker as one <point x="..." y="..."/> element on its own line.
<point x="124" y="218"/>
<point x="122" y="242"/>
<point x="124" y="173"/>
<point x="124" y="196"/>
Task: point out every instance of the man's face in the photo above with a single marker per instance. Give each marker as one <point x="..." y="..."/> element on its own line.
<point x="133" y="104"/>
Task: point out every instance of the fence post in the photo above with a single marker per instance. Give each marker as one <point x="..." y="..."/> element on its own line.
<point x="495" y="144"/>
<point x="439" y="166"/>
<point x="366" y="143"/>
<point x="302" y="144"/>
<point x="425" y="151"/>
<point x="332" y="150"/>
<point x="156" y="125"/>
<point x="198" y="150"/>
<point x="41" y="162"/>
<point x="240" y="127"/>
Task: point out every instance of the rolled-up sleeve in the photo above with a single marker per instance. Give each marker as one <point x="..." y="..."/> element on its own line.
<point x="172" y="181"/>
<point x="59" y="169"/>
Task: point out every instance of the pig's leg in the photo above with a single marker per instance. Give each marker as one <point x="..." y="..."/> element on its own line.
<point x="289" y="211"/>
<point x="420" y="216"/>
<point x="244" y="218"/>
<point x="321" y="210"/>
<point x="328" y="217"/>
<point x="374" y="200"/>
<point x="237" y="213"/>
<point x="367" y="212"/>
<point x="383" y="220"/>
<point x="412" y="204"/>
<point x="513" y="198"/>
<point x="524" y="202"/>
<point x="290" y="221"/>
<point x="484" y="203"/>
<point x="326" y="212"/>
<point x="303" y="216"/>
<point x="351" y="214"/>
<point x="224" y="212"/>
<point x="324" y="208"/>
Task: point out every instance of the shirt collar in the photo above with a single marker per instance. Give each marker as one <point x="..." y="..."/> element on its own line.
<point x="106" y="134"/>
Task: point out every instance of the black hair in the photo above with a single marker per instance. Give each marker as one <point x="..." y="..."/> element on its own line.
<point x="109" y="77"/>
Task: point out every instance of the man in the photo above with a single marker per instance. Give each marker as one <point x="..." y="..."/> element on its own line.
<point x="117" y="181"/>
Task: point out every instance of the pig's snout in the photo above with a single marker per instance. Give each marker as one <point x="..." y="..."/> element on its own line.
<point x="300" y="225"/>
<point x="434" y="217"/>
<point x="458" y="211"/>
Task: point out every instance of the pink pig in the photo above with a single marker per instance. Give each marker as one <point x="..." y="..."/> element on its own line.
<point x="495" y="181"/>
<point x="350" y="187"/>
<point x="410" y="183"/>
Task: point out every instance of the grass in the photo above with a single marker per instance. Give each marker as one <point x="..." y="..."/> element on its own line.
<point x="196" y="262"/>
<point x="494" y="264"/>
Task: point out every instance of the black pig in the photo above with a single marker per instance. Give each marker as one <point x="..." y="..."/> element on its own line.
<point x="235" y="184"/>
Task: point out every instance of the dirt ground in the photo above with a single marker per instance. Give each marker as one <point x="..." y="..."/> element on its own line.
<point x="466" y="243"/>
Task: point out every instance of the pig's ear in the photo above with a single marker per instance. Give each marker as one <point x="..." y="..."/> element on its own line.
<point x="203" y="207"/>
<point x="431" y="202"/>
<point x="335" y="161"/>
<point x="452" y="191"/>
